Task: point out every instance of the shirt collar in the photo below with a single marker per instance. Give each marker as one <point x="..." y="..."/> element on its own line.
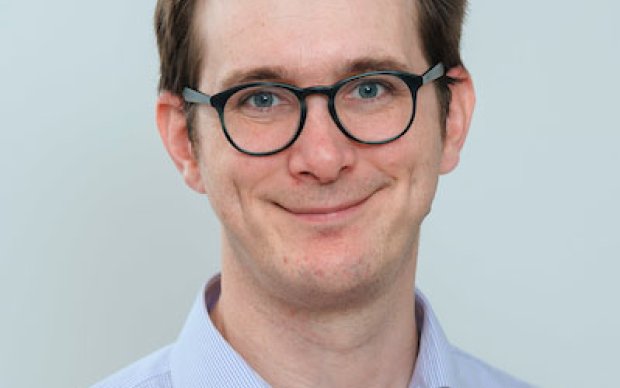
<point x="434" y="366"/>
<point x="201" y="357"/>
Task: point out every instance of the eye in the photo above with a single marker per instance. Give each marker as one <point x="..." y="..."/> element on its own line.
<point x="369" y="90"/>
<point x="263" y="99"/>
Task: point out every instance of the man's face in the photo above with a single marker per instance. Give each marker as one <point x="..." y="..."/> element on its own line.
<point x="327" y="216"/>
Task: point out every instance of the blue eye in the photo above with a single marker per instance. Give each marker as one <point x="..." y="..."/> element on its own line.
<point x="369" y="90"/>
<point x="263" y="100"/>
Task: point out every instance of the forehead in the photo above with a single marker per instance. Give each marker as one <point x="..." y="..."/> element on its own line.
<point x="310" y="41"/>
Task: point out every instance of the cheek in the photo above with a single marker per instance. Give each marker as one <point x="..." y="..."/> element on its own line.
<point x="217" y="165"/>
<point x="415" y="156"/>
<point x="233" y="180"/>
<point x="413" y="161"/>
<point x="426" y="138"/>
<point x="208" y="127"/>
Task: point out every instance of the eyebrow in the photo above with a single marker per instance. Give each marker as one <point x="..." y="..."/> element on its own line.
<point x="280" y="74"/>
<point x="363" y="65"/>
<point x="239" y="77"/>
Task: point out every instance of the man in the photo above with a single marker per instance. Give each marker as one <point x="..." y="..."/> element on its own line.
<point x="318" y="130"/>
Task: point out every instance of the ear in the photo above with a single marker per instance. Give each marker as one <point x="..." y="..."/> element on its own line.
<point x="459" y="118"/>
<point x="172" y="126"/>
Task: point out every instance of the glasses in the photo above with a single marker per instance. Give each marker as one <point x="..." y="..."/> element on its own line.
<point x="263" y="118"/>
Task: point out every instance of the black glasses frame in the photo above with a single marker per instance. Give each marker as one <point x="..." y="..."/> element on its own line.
<point x="218" y="101"/>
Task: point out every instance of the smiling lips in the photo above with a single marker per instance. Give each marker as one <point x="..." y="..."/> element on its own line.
<point x="328" y="213"/>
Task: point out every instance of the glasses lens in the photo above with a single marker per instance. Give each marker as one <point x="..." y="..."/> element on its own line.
<point x="262" y="119"/>
<point x="375" y="108"/>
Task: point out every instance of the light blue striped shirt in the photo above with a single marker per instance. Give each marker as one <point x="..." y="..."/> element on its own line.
<point x="202" y="358"/>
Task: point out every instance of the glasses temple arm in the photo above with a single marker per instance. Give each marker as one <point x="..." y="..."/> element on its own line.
<point x="436" y="72"/>
<point x="196" y="97"/>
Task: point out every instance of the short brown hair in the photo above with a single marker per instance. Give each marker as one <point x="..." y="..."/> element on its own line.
<point x="440" y="25"/>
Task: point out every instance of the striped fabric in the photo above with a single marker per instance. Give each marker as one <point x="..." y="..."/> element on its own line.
<point x="202" y="358"/>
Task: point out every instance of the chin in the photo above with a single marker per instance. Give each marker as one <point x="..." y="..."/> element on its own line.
<point x="334" y="281"/>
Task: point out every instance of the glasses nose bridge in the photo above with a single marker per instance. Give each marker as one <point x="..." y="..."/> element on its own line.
<point x="324" y="90"/>
<point x="327" y="91"/>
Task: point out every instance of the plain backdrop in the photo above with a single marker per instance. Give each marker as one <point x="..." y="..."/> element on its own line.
<point x="103" y="248"/>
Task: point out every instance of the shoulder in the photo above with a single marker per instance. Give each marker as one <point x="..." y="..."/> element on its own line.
<point x="473" y="372"/>
<point x="153" y="371"/>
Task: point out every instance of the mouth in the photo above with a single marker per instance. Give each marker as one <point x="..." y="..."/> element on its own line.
<point x="327" y="214"/>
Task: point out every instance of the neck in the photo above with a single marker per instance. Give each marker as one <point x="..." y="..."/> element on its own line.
<point x="373" y="345"/>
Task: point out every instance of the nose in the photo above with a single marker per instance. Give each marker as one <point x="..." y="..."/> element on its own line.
<point x="322" y="152"/>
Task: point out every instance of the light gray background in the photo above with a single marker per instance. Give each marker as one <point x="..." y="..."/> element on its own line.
<point x="103" y="248"/>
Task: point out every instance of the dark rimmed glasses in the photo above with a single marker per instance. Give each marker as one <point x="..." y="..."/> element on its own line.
<point x="263" y="118"/>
